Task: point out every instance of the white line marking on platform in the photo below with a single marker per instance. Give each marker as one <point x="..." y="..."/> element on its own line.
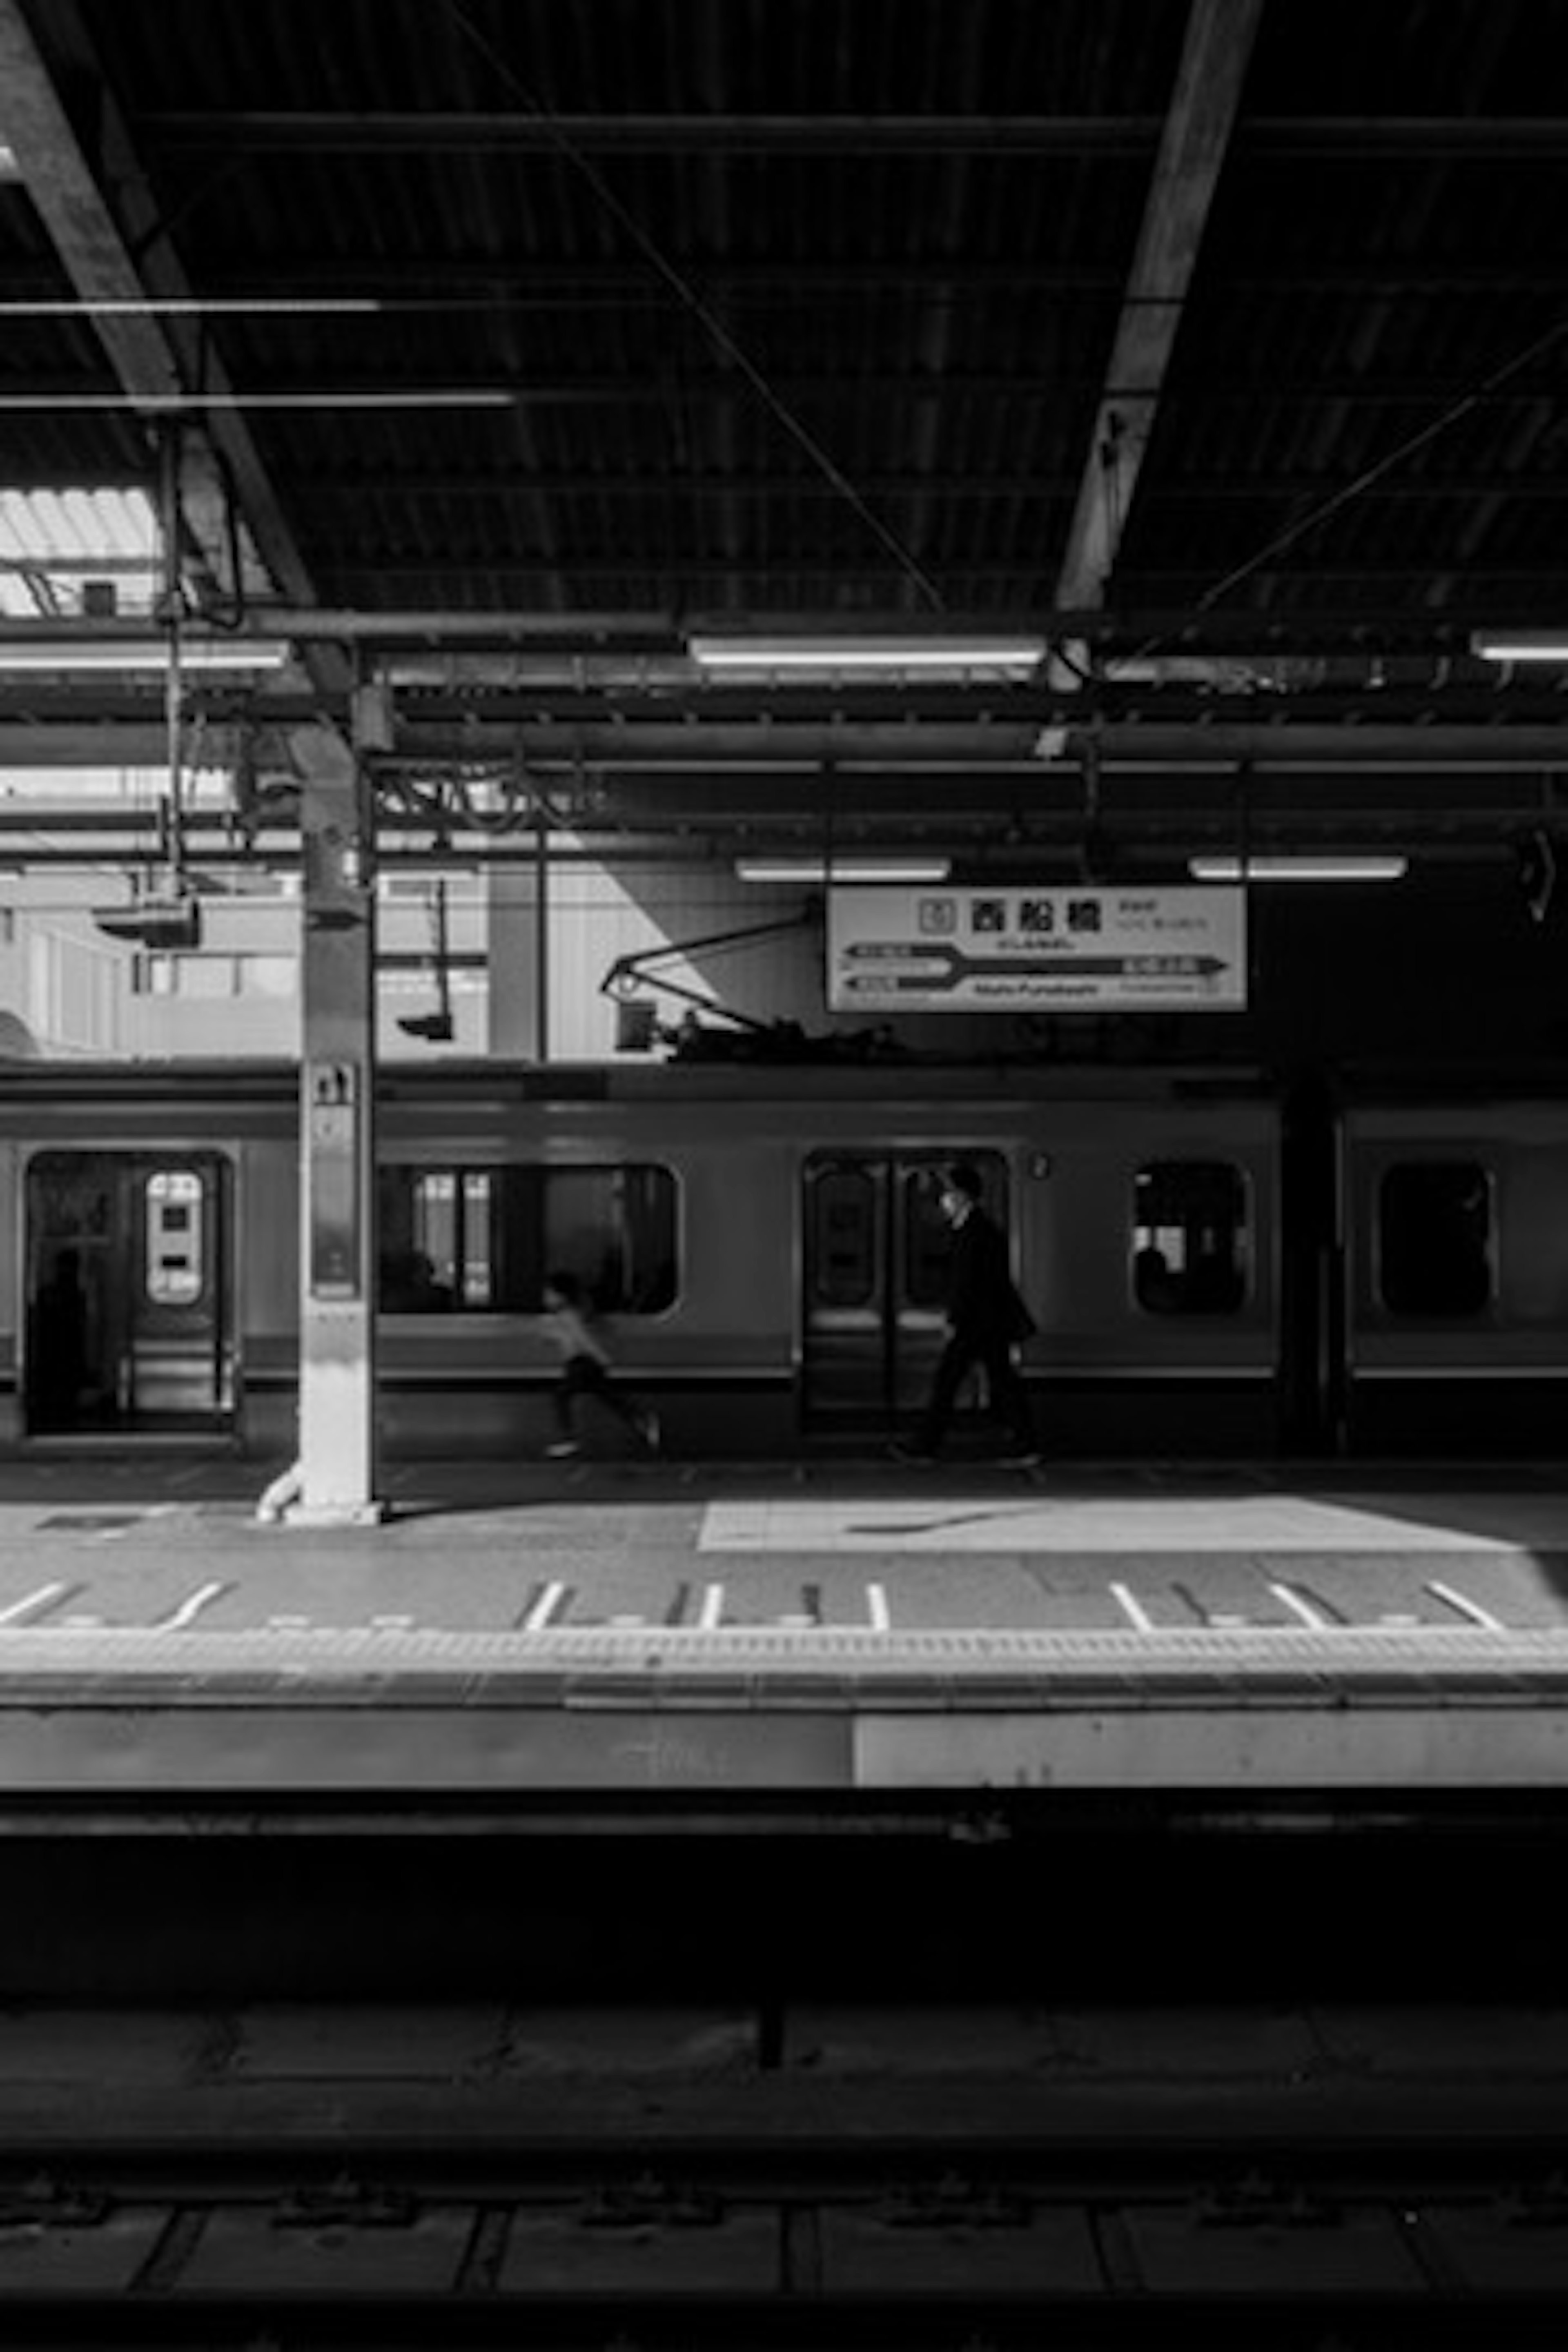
<point x="86" y="1624"/>
<point x="391" y="1624"/>
<point x="1142" y="1620"/>
<point x="1301" y="1609"/>
<point x="1466" y="1607"/>
<point x="1396" y="1618"/>
<point x="544" y="1608"/>
<point x="189" y="1609"/>
<point x="877" y="1602"/>
<point x="713" y="1615"/>
<point x="1226" y="1622"/>
<point x="33" y="1602"/>
<point x="288" y="1625"/>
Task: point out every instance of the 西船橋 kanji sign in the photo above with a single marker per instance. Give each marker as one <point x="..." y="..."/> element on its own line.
<point x="1027" y="948"/>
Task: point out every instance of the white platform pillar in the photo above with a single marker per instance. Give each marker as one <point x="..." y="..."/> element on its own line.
<point x="338" y="1465"/>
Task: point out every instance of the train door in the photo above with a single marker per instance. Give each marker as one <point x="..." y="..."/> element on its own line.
<point x="875" y="1272"/>
<point x="129" y="1320"/>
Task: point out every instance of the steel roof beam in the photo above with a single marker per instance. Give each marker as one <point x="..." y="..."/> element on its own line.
<point x="261" y="131"/>
<point x="1197" y="133"/>
<point x="155" y="359"/>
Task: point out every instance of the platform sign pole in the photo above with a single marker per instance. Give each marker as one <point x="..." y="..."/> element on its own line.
<point x="337" y="1136"/>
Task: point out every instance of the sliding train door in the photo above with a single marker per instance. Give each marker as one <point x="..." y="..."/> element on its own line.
<point x="130" y="1317"/>
<point x="874" y="1268"/>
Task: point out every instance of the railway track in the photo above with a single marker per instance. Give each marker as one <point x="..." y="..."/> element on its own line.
<point x="419" y="2251"/>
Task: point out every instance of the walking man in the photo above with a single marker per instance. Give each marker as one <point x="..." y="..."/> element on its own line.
<point x="986" y="1319"/>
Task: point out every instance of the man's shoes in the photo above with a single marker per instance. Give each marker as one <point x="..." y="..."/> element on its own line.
<point x="562" y="1449"/>
<point x="919" y="1455"/>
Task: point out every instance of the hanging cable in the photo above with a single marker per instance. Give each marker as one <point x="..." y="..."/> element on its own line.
<point x="1370" y="474"/>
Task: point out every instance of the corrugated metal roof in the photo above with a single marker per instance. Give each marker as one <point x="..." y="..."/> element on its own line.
<point x="797" y="308"/>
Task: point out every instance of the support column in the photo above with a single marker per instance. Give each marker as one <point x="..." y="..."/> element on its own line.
<point x="337" y="1128"/>
<point x="519" y="954"/>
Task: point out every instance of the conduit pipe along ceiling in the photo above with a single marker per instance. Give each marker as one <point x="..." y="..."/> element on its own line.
<point x="1308" y="867"/>
<point x="1011" y="654"/>
<point x="101" y="654"/>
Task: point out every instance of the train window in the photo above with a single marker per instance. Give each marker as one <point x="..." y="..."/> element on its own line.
<point x="173" y="1225"/>
<point x="481" y="1241"/>
<point x="1189" y="1237"/>
<point x="1434" y="1238"/>
<point x="843" y="1238"/>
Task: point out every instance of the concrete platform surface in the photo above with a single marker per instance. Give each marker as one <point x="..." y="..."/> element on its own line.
<point x="824" y="1625"/>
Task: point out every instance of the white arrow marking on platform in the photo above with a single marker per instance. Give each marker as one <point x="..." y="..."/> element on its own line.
<point x="44" y="1594"/>
<point x="544" y="1608"/>
<point x="1140" y="1616"/>
<point x="1467" y="1607"/>
<point x="188" y="1608"/>
<point x="1301" y="1609"/>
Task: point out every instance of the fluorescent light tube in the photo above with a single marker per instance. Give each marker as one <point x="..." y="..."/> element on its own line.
<point x="140" y="654"/>
<point x="843" y="869"/>
<point x="1306" y="868"/>
<point x="881" y="653"/>
<point x="163" y="403"/>
<point x="1522" y="646"/>
<point x="195" y="306"/>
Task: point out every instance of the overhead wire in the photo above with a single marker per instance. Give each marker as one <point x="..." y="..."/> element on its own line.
<point x="1370" y="474"/>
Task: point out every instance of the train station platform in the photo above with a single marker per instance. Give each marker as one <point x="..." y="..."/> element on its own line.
<point x="689" y="1628"/>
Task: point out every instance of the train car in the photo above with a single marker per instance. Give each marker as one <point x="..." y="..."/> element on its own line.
<point x="764" y="1243"/>
<point x="1452" y="1330"/>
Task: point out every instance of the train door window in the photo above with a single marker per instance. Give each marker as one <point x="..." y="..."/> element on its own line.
<point x="1189" y="1237"/>
<point x="1434" y="1238"/>
<point x="842" y="1242"/>
<point x="173" y="1271"/>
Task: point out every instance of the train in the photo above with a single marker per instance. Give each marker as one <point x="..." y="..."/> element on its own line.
<point x="1221" y="1264"/>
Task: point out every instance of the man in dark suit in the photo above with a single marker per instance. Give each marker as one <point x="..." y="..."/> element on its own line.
<point x="987" y="1320"/>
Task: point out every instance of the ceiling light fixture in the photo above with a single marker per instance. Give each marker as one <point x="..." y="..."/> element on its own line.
<point x="108" y="654"/>
<point x="175" y="403"/>
<point x="880" y="652"/>
<point x="843" y="869"/>
<point x="1520" y="645"/>
<point x="1306" y="868"/>
<point x="190" y="306"/>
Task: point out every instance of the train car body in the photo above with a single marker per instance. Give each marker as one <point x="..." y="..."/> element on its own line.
<point x="1214" y="1268"/>
<point x="763" y="1245"/>
<point x="1453" y="1334"/>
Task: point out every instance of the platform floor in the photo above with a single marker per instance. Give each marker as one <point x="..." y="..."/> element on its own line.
<point x="514" y="1626"/>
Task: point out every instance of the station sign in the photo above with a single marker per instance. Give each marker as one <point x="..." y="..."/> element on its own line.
<point x="1027" y="948"/>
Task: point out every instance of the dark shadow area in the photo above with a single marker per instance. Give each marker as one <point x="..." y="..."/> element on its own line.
<point x="1172" y="1901"/>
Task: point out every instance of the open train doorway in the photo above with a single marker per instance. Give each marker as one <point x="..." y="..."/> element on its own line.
<point x="129" y="1298"/>
<point x="874" y="1265"/>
